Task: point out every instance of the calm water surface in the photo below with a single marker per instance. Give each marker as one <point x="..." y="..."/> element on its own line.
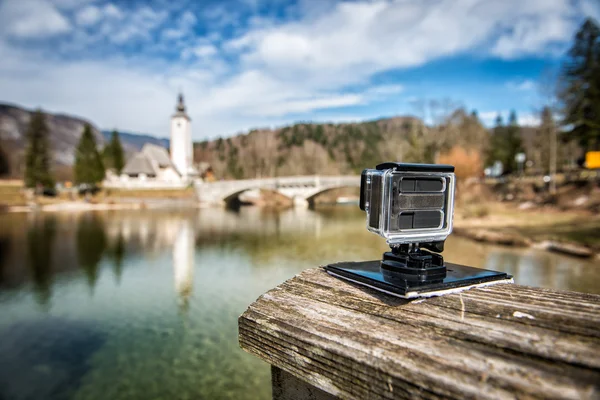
<point x="144" y="304"/>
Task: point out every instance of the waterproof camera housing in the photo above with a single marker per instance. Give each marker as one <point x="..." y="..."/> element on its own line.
<point x="411" y="206"/>
<point x="409" y="203"/>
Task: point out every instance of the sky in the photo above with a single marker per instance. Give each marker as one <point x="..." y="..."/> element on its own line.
<point x="244" y="64"/>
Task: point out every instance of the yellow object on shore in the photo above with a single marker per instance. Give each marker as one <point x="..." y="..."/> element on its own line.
<point x="592" y="160"/>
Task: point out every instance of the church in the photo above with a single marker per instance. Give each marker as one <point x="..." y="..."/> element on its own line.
<point x="156" y="168"/>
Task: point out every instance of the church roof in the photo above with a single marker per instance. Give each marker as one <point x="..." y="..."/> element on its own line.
<point x="148" y="161"/>
<point x="157" y="153"/>
<point x="140" y="163"/>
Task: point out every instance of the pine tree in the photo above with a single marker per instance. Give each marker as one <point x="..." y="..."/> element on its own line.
<point x="580" y="92"/>
<point x="88" y="163"/>
<point x="496" y="149"/>
<point x="37" y="154"/>
<point x="505" y="143"/>
<point x="543" y="140"/>
<point x="113" y="155"/>
<point x="512" y="142"/>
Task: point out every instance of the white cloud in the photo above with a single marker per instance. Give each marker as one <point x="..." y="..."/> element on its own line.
<point x="31" y="19"/>
<point x="71" y="4"/>
<point x="315" y="59"/>
<point x="489" y="117"/>
<point x="357" y="39"/>
<point x="89" y="15"/>
<point x="139" y="24"/>
<point x="384" y="90"/>
<point x="184" y="25"/>
<point x="112" y="11"/>
<point x="525" y="85"/>
<point x="528" y="120"/>
<point x="525" y="119"/>
<point x="201" y="51"/>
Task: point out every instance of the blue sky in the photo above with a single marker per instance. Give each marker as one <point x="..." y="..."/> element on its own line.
<point x="244" y="64"/>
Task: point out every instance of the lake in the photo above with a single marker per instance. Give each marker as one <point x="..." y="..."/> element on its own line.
<point x="144" y="304"/>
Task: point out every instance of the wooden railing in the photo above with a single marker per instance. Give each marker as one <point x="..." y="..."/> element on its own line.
<point x="327" y="339"/>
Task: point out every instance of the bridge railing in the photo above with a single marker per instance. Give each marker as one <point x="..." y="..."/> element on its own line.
<point x="287" y="181"/>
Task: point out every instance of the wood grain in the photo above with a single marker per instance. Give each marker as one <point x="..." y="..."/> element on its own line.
<point x="505" y="341"/>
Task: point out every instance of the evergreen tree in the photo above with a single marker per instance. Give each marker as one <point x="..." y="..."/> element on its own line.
<point x="543" y="140"/>
<point x="37" y="154"/>
<point x="88" y="163"/>
<point x="512" y="142"/>
<point x="496" y="149"/>
<point x="505" y="143"/>
<point x="113" y="154"/>
<point x="580" y="92"/>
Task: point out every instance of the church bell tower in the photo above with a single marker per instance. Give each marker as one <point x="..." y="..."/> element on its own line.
<point x="181" y="141"/>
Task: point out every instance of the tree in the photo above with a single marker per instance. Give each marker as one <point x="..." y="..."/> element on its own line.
<point x="505" y="143"/>
<point x="580" y="93"/>
<point x="496" y="149"/>
<point x="37" y="154"/>
<point x="543" y="140"/>
<point x="113" y="154"/>
<point x="88" y="163"/>
<point x="513" y="143"/>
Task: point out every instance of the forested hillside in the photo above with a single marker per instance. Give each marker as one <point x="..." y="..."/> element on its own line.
<point x="331" y="149"/>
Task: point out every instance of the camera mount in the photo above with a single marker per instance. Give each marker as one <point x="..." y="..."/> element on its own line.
<point x="409" y="263"/>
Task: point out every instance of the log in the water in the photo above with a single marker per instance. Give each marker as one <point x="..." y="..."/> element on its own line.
<point x="503" y="341"/>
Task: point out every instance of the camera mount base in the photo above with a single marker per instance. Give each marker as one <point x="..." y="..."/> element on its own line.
<point x="375" y="275"/>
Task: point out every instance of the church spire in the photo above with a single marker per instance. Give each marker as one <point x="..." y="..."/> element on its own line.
<point x="180" y="105"/>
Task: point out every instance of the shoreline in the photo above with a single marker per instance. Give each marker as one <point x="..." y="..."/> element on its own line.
<point x="477" y="229"/>
<point x="82" y="206"/>
<point x="511" y="240"/>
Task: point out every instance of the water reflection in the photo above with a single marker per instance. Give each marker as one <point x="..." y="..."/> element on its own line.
<point x="151" y="298"/>
<point x="91" y="244"/>
<point x="57" y="243"/>
<point x="40" y="244"/>
<point x="183" y="262"/>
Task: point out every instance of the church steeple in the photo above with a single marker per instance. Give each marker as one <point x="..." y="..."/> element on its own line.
<point x="180" y="104"/>
<point x="182" y="151"/>
<point x="180" y="108"/>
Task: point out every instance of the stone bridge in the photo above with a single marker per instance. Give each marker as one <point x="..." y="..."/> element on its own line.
<point x="301" y="189"/>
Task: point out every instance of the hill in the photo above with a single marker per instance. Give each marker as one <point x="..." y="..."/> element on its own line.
<point x="331" y="149"/>
<point x="299" y="149"/>
<point x="65" y="131"/>
<point x="135" y="141"/>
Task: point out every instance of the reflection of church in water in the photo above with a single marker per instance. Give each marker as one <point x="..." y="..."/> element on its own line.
<point x="183" y="261"/>
<point x="157" y="235"/>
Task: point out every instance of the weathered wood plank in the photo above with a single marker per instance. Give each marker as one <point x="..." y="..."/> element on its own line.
<point x="497" y="342"/>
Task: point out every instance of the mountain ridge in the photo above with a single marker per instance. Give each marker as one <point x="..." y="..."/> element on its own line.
<point x="64" y="133"/>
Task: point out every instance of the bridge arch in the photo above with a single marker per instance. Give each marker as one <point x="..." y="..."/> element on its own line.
<point x="230" y="199"/>
<point x="299" y="188"/>
<point x="312" y="197"/>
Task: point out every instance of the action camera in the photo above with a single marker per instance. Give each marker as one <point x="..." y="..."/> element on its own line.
<point x="411" y="206"/>
<point x="408" y="203"/>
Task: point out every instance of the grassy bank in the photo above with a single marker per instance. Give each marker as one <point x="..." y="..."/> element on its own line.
<point x="506" y="221"/>
<point x="12" y="194"/>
